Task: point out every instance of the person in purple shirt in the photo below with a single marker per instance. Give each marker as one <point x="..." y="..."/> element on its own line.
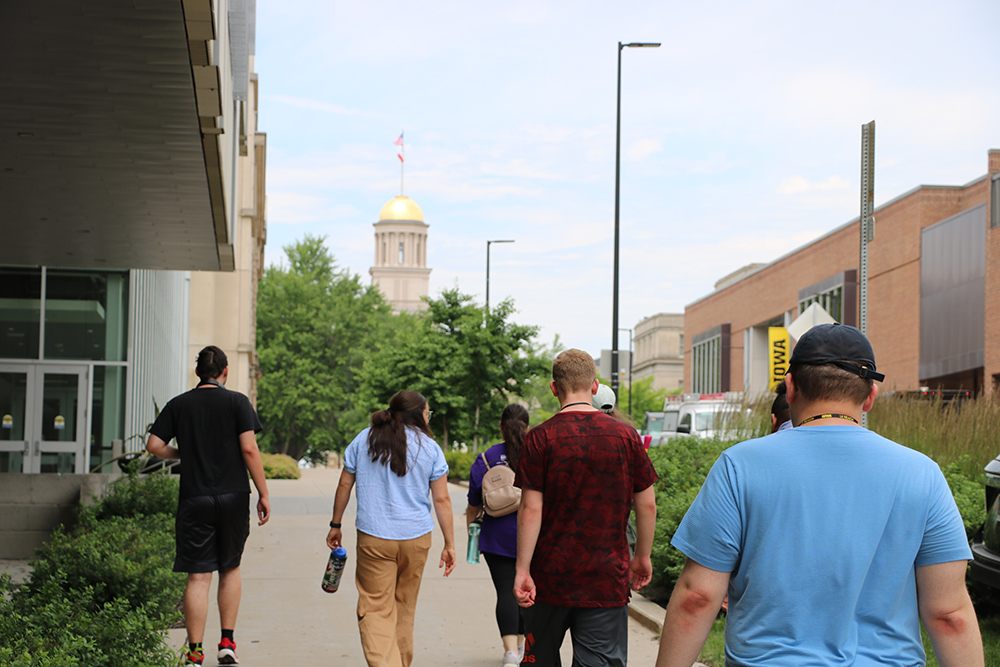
<point x="498" y="536"/>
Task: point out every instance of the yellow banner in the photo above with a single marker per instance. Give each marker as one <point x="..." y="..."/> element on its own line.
<point x="778" y="344"/>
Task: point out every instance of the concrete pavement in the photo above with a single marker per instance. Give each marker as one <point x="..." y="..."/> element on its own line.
<point x="286" y="618"/>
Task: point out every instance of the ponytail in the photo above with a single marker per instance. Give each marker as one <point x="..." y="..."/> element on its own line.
<point x="514" y="426"/>
<point x="387" y="436"/>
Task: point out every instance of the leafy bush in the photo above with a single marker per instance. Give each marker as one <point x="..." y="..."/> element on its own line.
<point x="459" y="464"/>
<point x="968" y="493"/>
<point x="280" y="466"/>
<point x="133" y="495"/>
<point x="682" y="465"/>
<point x="60" y="627"/>
<point x="103" y="593"/>
<point x="119" y="557"/>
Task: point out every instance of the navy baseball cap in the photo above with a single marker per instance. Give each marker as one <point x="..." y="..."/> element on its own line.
<point x="838" y="344"/>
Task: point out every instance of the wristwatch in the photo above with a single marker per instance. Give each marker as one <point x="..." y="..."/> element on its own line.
<point x="334" y="525"/>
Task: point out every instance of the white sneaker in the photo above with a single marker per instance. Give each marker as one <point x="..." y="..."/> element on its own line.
<point x="511" y="659"/>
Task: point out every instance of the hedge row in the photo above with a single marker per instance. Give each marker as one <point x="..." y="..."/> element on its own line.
<point x="101" y="594"/>
<point x="280" y="466"/>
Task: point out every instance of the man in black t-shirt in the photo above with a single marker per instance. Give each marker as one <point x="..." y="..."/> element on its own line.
<point x="215" y="431"/>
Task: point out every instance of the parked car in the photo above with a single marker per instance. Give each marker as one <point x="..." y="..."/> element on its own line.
<point x="985" y="570"/>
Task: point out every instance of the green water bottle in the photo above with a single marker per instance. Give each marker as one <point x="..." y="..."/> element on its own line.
<point x="472" y="555"/>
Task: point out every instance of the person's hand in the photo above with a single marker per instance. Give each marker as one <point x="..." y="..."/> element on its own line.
<point x="263" y="510"/>
<point x="448" y="560"/>
<point x="333" y="538"/>
<point x="640" y="571"/>
<point x="524" y="589"/>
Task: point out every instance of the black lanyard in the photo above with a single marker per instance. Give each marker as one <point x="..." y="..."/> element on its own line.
<point x="215" y="382"/>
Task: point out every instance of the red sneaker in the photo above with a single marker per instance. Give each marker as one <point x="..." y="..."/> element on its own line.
<point x="227" y="652"/>
<point x="193" y="658"/>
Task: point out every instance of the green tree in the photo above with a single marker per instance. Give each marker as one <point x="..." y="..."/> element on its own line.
<point x="536" y="392"/>
<point x="315" y="327"/>
<point x="645" y="398"/>
<point x="466" y="362"/>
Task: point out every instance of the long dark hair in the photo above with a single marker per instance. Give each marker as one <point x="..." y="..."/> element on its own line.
<point x="514" y="426"/>
<point x="387" y="437"/>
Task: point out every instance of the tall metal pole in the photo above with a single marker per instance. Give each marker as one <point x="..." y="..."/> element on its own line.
<point x="867" y="225"/>
<point x="614" y="298"/>
<point x="618" y="168"/>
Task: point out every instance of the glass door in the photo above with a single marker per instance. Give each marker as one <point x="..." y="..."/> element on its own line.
<point x="60" y="420"/>
<point x="43" y="418"/>
<point x="14" y="417"/>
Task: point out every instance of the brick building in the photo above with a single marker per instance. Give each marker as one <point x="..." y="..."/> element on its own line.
<point x="933" y="295"/>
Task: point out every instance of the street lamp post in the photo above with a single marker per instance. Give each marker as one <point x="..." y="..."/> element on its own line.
<point x="488" y="269"/>
<point x="618" y="162"/>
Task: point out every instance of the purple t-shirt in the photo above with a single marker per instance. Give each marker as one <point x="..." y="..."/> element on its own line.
<point x="498" y="534"/>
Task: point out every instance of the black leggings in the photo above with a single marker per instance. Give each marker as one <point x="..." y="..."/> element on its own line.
<point x="508" y="612"/>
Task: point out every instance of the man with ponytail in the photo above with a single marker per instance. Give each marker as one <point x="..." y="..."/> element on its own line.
<point x="216" y="438"/>
<point x="580" y="473"/>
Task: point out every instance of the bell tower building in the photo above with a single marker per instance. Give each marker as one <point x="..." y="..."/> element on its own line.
<point x="400" y="270"/>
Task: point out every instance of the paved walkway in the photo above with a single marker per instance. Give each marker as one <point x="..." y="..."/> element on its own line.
<point x="286" y="618"/>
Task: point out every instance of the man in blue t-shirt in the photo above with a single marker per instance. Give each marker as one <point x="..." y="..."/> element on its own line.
<point x="832" y="542"/>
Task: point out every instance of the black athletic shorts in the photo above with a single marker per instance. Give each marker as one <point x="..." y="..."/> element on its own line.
<point x="211" y="532"/>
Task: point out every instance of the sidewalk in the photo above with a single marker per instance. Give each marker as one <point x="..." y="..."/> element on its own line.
<point x="285" y="617"/>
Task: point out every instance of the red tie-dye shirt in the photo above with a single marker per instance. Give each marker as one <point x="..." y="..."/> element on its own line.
<point x="587" y="466"/>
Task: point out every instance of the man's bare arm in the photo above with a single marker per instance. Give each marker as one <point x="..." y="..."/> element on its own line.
<point x="529" y="524"/>
<point x="156" y="447"/>
<point x="641" y="568"/>
<point x="693" y="607"/>
<point x="948" y="614"/>
<point x="251" y="457"/>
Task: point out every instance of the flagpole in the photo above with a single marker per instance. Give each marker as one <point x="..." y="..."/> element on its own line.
<point x="402" y="161"/>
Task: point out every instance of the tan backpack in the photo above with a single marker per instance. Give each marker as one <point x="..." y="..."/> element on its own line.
<point x="500" y="496"/>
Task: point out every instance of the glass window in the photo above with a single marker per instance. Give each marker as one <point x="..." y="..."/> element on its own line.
<point x="20" y="312"/>
<point x="706" y="366"/>
<point x="86" y="315"/>
<point x="108" y="422"/>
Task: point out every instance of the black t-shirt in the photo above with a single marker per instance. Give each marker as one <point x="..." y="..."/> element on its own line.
<point x="207" y="424"/>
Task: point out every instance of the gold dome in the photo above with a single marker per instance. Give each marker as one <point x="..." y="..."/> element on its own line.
<point x="401" y="208"/>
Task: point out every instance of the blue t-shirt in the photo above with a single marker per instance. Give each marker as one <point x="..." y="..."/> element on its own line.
<point x="499" y="534"/>
<point x="821" y="528"/>
<point x="392" y="507"/>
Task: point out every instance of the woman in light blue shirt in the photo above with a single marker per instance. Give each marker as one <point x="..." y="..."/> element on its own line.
<point x="398" y="468"/>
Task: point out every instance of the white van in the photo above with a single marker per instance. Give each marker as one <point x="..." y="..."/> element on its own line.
<point x="698" y="415"/>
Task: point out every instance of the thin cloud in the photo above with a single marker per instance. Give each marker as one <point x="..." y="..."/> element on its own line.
<point x="797" y="185"/>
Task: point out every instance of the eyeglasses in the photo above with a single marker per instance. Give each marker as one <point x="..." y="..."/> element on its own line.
<point x="429" y="414"/>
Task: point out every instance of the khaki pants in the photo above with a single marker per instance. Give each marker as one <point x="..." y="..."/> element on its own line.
<point x="388" y="578"/>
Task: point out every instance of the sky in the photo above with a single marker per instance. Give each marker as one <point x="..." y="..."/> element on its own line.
<point x="740" y="135"/>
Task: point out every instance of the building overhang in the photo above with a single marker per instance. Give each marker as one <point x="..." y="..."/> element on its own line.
<point x="109" y="136"/>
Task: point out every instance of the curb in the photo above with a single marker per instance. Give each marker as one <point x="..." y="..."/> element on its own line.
<point x="647" y="612"/>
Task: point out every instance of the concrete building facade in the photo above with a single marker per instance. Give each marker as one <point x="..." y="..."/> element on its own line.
<point x="933" y="295"/>
<point x="659" y="350"/>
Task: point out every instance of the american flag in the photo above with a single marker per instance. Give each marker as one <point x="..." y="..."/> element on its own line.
<point x="399" y="142"/>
